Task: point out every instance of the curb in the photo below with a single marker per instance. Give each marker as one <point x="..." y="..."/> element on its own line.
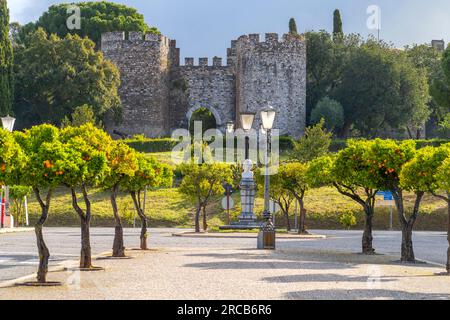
<point x="67" y="265"/>
<point x="15" y="230"/>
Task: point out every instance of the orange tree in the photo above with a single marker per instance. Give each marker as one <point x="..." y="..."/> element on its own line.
<point x="426" y="173"/>
<point x="91" y="147"/>
<point x="149" y="174"/>
<point x="294" y="179"/>
<point x="354" y="178"/>
<point x="349" y="173"/>
<point x="443" y="183"/>
<point x="12" y="159"/>
<point x="201" y="183"/>
<point x="278" y="193"/>
<point x="385" y="160"/>
<point x="122" y="164"/>
<point x="47" y="163"/>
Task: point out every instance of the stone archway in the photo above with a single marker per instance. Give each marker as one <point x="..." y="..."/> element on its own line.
<point x="215" y="113"/>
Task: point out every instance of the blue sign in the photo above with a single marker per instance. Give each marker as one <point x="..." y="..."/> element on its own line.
<point x="388" y="196"/>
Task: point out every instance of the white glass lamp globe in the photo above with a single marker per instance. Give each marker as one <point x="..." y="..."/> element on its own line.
<point x="268" y="118"/>
<point x="8" y="123"/>
<point x="247" y="119"/>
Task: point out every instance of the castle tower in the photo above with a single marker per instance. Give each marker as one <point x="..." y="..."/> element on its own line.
<point x="144" y="62"/>
<point x="272" y="71"/>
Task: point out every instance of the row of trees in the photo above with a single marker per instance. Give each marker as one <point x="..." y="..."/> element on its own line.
<point x="359" y="172"/>
<point x="366" y="167"/>
<point x="78" y="158"/>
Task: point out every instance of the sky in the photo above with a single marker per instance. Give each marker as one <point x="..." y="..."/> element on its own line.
<point x="204" y="28"/>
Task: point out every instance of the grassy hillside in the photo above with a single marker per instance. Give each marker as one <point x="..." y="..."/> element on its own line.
<point x="168" y="208"/>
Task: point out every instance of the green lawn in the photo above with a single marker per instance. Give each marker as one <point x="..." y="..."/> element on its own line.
<point x="164" y="208"/>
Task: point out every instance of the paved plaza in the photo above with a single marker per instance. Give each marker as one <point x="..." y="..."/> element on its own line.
<point x="230" y="268"/>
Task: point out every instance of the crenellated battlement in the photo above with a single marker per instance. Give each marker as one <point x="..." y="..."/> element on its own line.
<point x="271" y="39"/>
<point x="135" y="37"/>
<point x="203" y="62"/>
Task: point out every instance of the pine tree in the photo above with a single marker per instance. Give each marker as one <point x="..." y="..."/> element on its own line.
<point x="292" y="26"/>
<point x="338" y="31"/>
<point x="6" y="61"/>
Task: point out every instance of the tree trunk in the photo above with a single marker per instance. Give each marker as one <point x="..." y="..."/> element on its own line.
<point x="288" y="222"/>
<point x="86" y="254"/>
<point x="118" y="246"/>
<point x="367" y="239"/>
<point x="44" y="254"/>
<point x="143" y="217"/>
<point x="448" y="235"/>
<point x="205" y="223"/>
<point x="407" y="250"/>
<point x="407" y="244"/>
<point x="197" y="219"/>
<point x="302" y="222"/>
<point x="85" y="221"/>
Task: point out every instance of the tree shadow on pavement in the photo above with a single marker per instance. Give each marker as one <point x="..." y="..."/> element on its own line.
<point x="364" y="294"/>
<point x="323" y="278"/>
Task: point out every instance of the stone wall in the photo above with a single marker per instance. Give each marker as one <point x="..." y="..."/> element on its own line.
<point x="143" y="61"/>
<point x="273" y="71"/>
<point x="202" y="86"/>
<point x="159" y="95"/>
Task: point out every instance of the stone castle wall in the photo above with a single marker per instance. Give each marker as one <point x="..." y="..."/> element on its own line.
<point x="160" y="95"/>
<point x="273" y="71"/>
<point x="143" y="62"/>
<point x="203" y="86"/>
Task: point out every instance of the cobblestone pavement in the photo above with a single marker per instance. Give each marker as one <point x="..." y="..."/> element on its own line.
<point x="224" y="273"/>
<point x="18" y="253"/>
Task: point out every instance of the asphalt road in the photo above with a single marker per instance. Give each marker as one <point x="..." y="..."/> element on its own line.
<point x="18" y="253"/>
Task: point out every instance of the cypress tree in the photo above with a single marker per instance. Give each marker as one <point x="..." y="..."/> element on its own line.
<point x="292" y="26"/>
<point x="6" y="61"/>
<point x="338" y="31"/>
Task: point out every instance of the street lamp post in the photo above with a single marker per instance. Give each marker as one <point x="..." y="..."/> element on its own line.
<point x="266" y="238"/>
<point x="247" y="119"/>
<point x="8" y="124"/>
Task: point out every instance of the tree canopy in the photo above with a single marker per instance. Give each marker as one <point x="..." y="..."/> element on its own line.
<point x="381" y="89"/>
<point x="293" y="26"/>
<point x="54" y="76"/>
<point x="6" y="62"/>
<point x="331" y="112"/>
<point x="202" y="182"/>
<point x="96" y="18"/>
<point x="338" y="31"/>
<point x="315" y="143"/>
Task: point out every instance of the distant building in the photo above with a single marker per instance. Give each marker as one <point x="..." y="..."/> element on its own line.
<point x="438" y="44"/>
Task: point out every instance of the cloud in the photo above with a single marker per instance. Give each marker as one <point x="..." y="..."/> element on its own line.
<point x="24" y="11"/>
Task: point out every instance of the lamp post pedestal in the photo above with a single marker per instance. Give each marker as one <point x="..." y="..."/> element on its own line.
<point x="267" y="235"/>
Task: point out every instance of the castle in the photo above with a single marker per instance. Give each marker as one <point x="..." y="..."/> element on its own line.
<point x="160" y="95"/>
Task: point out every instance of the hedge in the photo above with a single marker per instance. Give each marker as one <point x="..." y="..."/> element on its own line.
<point x="152" y="145"/>
<point x="286" y="144"/>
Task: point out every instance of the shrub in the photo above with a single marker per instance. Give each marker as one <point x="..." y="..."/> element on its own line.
<point x="348" y="220"/>
<point x="331" y="111"/>
<point x="142" y="144"/>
